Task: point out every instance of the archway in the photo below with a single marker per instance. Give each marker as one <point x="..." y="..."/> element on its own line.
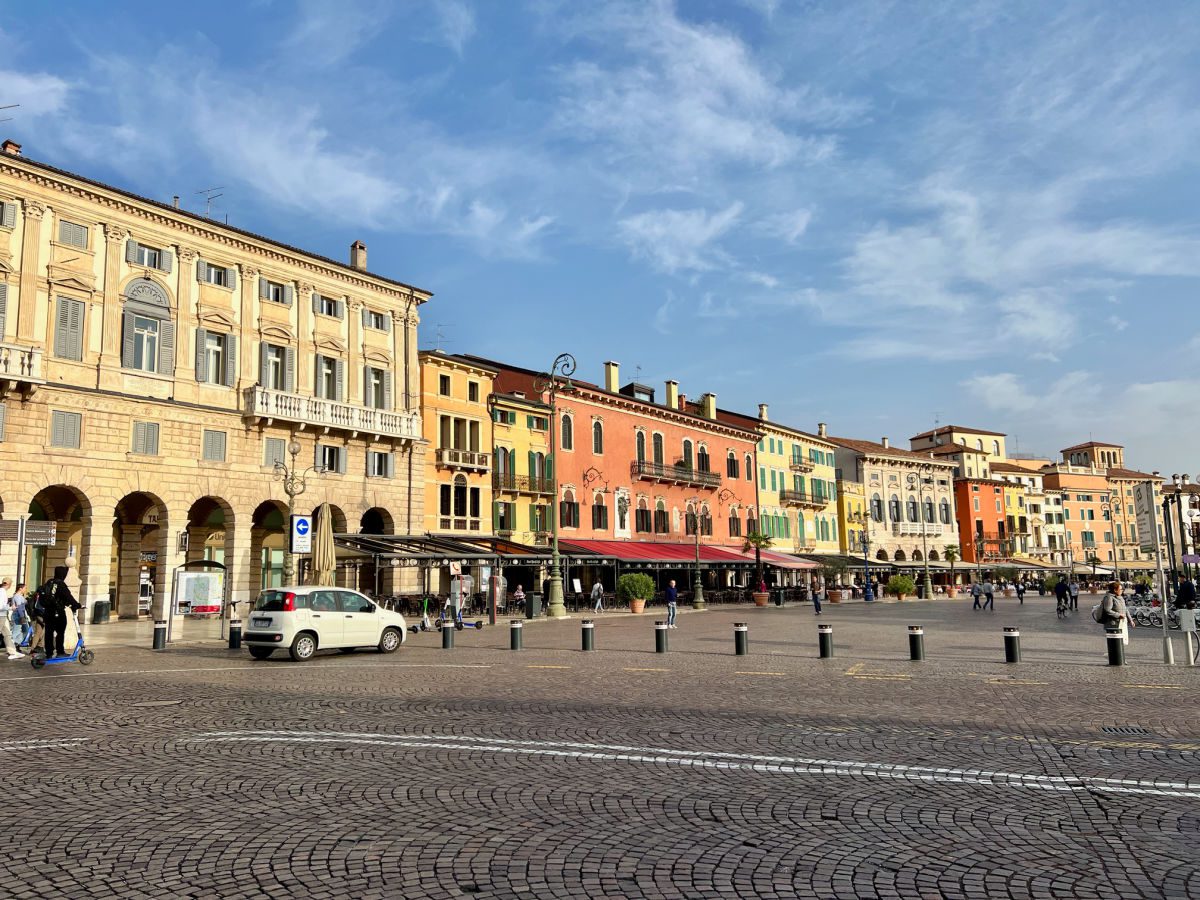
<point x="210" y="530"/>
<point x="268" y="530"/>
<point x="376" y="520"/>
<point x="899" y="556"/>
<point x="70" y="508"/>
<point x="933" y="556"/>
<point x="140" y="534"/>
<point x="882" y="556"/>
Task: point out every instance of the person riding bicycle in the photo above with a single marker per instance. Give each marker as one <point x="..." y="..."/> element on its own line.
<point x="1062" y="594"/>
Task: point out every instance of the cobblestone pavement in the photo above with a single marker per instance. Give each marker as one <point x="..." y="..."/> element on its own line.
<point x="553" y="773"/>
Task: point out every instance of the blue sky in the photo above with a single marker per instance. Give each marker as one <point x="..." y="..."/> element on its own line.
<point x="869" y="214"/>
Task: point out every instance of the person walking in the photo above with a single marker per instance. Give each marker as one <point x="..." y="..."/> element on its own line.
<point x="1021" y="592"/>
<point x="598" y="597"/>
<point x="816" y="597"/>
<point x="20" y="616"/>
<point x="1062" y="595"/>
<point x="6" y="607"/>
<point x="976" y="593"/>
<point x="1187" y="593"/>
<point x="55" y="598"/>
<point x="672" y="603"/>
<point x="989" y="594"/>
<point x="1074" y="588"/>
<point x="1113" y="611"/>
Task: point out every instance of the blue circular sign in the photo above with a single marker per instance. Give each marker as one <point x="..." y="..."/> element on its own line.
<point x="301" y="526"/>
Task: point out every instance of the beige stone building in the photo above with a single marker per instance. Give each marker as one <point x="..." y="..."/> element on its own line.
<point x="156" y="365"/>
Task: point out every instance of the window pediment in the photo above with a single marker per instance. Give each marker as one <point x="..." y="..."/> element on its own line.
<point x="377" y="359"/>
<point x="147" y="293"/>
<point x="276" y="333"/>
<point x="329" y="346"/>
<point x="217" y="319"/>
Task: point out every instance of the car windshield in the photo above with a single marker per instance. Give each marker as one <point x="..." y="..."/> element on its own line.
<point x="270" y="601"/>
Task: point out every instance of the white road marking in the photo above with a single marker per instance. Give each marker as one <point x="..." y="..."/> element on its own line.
<point x="775" y="765"/>
<point x="255" y="667"/>
<point x="47" y="744"/>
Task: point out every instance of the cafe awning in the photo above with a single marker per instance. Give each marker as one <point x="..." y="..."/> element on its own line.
<point x="660" y="552"/>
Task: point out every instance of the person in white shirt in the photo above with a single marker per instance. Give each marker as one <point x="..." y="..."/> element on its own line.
<point x="6" y="621"/>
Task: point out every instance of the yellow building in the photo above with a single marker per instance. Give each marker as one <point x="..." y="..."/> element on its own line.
<point x="454" y="410"/>
<point x="521" y="476"/>
<point x="158" y="366"/>
<point x="852" y="516"/>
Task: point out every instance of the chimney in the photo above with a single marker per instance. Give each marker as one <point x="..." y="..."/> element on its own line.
<point x="612" y="376"/>
<point x="821" y="430"/>
<point x="671" y="401"/>
<point x="175" y="201"/>
<point x="884" y="442"/>
<point x="762" y="411"/>
<point x="683" y="402"/>
<point x="358" y="256"/>
<point x="12" y="148"/>
<point x="708" y="406"/>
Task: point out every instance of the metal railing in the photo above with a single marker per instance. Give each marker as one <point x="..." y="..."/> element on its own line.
<point x="804" y="498"/>
<point x="679" y="474"/>
<point x="799" y="464"/>
<point x="267" y="403"/>
<point x="521" y="484"/>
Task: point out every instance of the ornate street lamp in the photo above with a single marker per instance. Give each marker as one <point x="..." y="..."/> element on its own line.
<point x="862" y="518"/>
<point x="294" y="483"/>
<point x="919" y="479"/>
<point x="552" y="382"/>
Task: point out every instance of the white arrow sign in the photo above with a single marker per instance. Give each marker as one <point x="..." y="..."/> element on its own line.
<point x="301" y="534"/>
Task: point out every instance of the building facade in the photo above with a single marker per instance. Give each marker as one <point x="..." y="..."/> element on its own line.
<point x="162" y="363"/>
<point x="522" y="491"/>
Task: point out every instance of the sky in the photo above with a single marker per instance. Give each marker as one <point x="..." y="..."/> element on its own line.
<point x="878" y="215"/>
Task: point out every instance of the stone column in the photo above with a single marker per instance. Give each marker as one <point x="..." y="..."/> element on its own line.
<point x="128" y="569"/>
<point x="110" y="349"/>
<point x="354" y="356"/>
<point x="95" y="563"/>
<point x="254" y="566"/>
<point x="27" y="326"/>
<point x="239" y="569"/>
<point x="306" y="327"/>
<point x="197" y="535"/>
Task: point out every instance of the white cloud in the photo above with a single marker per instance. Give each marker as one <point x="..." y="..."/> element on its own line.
<point x="789" y="226"/>
<point x="1117" y="323"/>
<point x="328" y="33"/>
<point x="456" y="23"/>
<point x="1036" y="317"/>
<point x="678" y="239"/>
<point x="1067" y="398"/>
<point x="38" y="93"/>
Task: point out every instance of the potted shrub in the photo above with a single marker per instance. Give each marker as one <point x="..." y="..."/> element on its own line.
<point x="900" y="585"/>
<point x="637" y="588"/>
<point x="833" y="572"/>
<point x="757" y="541"/>
<point x="1008" y="575"/>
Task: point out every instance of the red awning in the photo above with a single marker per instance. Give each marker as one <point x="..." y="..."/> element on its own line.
<point x="655" y="551"/>
<point x="775" y="558"/>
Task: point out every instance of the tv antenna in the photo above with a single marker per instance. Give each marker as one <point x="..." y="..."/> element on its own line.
<point x="9" y="106"/>
<point x="439" y="336"/>
<point x="637" y="374"/>
<point x="210" y="194"/>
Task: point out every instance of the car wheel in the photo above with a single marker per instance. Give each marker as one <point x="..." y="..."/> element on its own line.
<point x="262" y="652"/>
<point x="390" y="640"/>
<point x="303" y="646"/>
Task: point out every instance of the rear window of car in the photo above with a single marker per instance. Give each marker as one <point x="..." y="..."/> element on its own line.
<point x="272" y="601"/>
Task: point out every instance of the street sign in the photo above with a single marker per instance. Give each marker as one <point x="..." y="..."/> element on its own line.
<point x="1192" y="559"/>
<point x="1146" y="508"/>
<point x="10" y="529"/>
<point x="40" y="533"/>
<point x="301" y="534"/>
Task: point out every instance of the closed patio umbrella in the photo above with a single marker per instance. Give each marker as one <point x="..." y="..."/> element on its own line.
<point x="324" y="556"/>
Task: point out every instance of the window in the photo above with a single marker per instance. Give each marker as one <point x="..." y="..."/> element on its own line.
<point x="275" y="292"/>
<point x="706" y="525"/>
<point x="658" y="449"/>
<point x="376" y="320"/>
<point x="68" y="328"/>
<point x="568" y="433"/>
<point x="928" y="510"/>
<point x="568" y="511"/>
<point x="687" y="454"/>
<point x="145" y="438"/>
<point x="689" y="522"/>
<point x="330" y="381"/>
<point x="599" y="513"/>
<point x="876" y="507"/>
<point x="331" y="459"/>
<point x="444" y="385"/>
<point x="894" y="508"/>
<point x="535" y="423"/>
<point x="72" y="234"/>
<point x="274" y="450"/>
<point x="65" y="429"/>
<point x="328" y="306"/>
<point x="277" y="367"/>
<point x="221" y="276"/>
<point x="662" y="522"/>
<point x="912" y="509"/>
<point x="147" y="257"/>
<point x="145" y="344"/>
<point x="702" y="463"/>
<point x="216" y="357"/>
<point x="380" y="464"/>
<point x="597" y="438"/>
<point x="995" y="448"/>
<point x="944" y="510"/>
<point x="641" y="518"/>
<point x="504" y="417"/>
<point x="473" y="391"/>
<point x="731" y="466"/>
<point x="377" y="388"/>
<point x="504" y="516"/>
<point x="749" y="468"/>
<point x="735" y="524"/>
<point x="640" y="442"/>
<point x="213" y="446"/>
<point x="8" y="215"/>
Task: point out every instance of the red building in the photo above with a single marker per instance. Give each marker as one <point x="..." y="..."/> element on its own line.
<point x="982" y="529"/>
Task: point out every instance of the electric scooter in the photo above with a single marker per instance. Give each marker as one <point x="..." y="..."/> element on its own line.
<point x="80" y="654"/>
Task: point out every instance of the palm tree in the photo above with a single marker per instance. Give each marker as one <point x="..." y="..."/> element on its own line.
<point x="1092" y="561"/>
<point x="756" y="540"/>
<point x="950" y="551"/>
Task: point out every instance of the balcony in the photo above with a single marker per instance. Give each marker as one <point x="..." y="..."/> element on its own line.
<point x="799" y="464"/>
<point x="930" y="529"/>
<point x="270" y="405"/>
<point x="804" y="498"/>
<point x="463" y="459"/>
<point x="521" y="484"/>
<point x="458" y="523"/>
<point x="677" y="474"/>
<point x="20" y="367"/>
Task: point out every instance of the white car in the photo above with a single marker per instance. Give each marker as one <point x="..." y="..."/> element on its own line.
<point x="309" y="618"/>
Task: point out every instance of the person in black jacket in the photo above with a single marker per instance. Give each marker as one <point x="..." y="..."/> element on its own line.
<point x="55" y="598"/>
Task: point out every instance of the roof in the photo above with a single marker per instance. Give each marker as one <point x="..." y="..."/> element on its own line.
<point x="1016" y="470"/>
<point x="1091" y="444"/>
<point x="871" y="448"/>
<point x="947" y="429"/>
<point x="755" y="422"/>
<point x="948" y="449"/>
<point x="455" y="358"/>
<point x="1133" y="475"/>
<point x="208" y="223"/>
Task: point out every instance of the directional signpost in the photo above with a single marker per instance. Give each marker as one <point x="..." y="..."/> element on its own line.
<point x="1147" y="525"/>
<point x="301" y="534"/>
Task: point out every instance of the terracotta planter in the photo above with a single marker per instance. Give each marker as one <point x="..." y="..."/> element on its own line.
<point x="761" y="599"/>
<point x="900" y="597"/>
<point x="838" y="596"/>
<point x="1008" y="592"/>
<point x="637" y="606"/>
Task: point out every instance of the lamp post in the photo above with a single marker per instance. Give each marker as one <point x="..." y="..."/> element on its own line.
<point x="861" y="518"/>
<point x="1181" y="483"/>
<point x="919" y="478"/>
<point x="697" y="584"/>
<point x="1114" y="510"/>
<point x="552" y="382"/>
<point x="294" y="484"/>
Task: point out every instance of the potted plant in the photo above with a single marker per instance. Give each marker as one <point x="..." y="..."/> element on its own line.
<point x="900" y="585"/>
<point x="951" y="554"/>
<point x="1007" y="575"/>
<point x="637" y="588"/>
<point x="757" y="541"/>
<point x="833" y="572"/>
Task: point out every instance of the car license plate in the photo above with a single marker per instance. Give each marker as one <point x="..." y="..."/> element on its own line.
<point x="262" y="623"/>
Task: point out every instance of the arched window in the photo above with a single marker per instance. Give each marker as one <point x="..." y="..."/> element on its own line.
<point x="460" y="496"/>
<point x="945" y="511"/>
<point x="702" y="458"/>
<point x="641" y="446"/>
<point x="833" y="530"/>
<point x="731" y="465"/>
<point x="641" y="517"/>
<point x="749" y="468"/>
<point x="689" y="521"/>
<point x="148" y="337"/>
<point x="900" y="557"/>
<point x="876" y="507"/>
<point x="978" y="443"/>
<point x="917" y="556"/>
<point x="597" y="438"/>
<point x="824" y="529"/>
<point x="801" y="528"/>
<point x="658" y="449"/>
<point x="928" y="510"/>
<point x="687" y="454"/>
<point x="894" y="508"/>
<point x="995" y="448"/>
<point x="735" y="524"/>
<point x="662" y="523"/>
<point x="568" y="433"/>
<point x="912" y="508"/>
<point x="751" y="522"/>
<point x="881" y="555"/>
<point x="599" y="512"/>
<point x="705" y="521"/>
<point x="568" y="510"/>
<point x="933" y="556"/>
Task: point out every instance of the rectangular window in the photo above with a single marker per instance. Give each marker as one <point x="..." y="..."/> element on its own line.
<point x="8" y="215"/>
<point x="379" y="464"/>
<point x="213" y="446"/>
<point x="537" y="423"/>
<point x="444" y="385"/>
<point x="327" y="306"/>
<point x="332" y="459"/>
<point x="218" y="275"/>
<point x="145" y="438"/>
<point x="377" y="388"/>
<point x="65" y="428"/>
<point x="329" y="378"/>
<point x="376" y="320"/>
<point x="68" y="328"/>
<point x="72" y="234"/>
<point x="145" y="344"/>
<point x="773" y="486"/>
<point x="147" y="257"/>
<point x="762" y="477"/>
<point x="473" y="391"/>
<point x="641" y="520"/>
<point x="274" y="450"/>
<point x="600" y="517"/>
<point x="214" y="356"/>
<point x="274" y="367"/>
<point x="275" y="292"/>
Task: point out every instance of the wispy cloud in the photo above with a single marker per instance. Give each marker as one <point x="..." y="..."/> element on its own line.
<point x="678" y="239"/>
<point x="456" y="23"/>
<point x="326" y="33"/>
<point x="38" y="93"/>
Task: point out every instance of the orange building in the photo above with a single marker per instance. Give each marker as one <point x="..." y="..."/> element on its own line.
<point x="979" y="505"/>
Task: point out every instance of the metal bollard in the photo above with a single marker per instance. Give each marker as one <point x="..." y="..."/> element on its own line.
<point x="741" y="639"/>
<point x="516" y="635"/>
<point x="1188" y="639"/>
<point x="589" y="634"/>
<point x="825" y="641"/>
<point x="447" y="635"/>
<point x="1012" y="645"/>
<point x="160" y="635"/>
<point x="916" y="642"/>
<point x="1116" y="646"/>
<point x="235" y="634"/>
<point x="660" y="637"/>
